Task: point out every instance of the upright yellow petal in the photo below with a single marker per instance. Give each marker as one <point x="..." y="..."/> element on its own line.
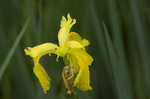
<point x="41" y="74"/>
<point x="41" y="50"/>
<point x="66" y="25"/>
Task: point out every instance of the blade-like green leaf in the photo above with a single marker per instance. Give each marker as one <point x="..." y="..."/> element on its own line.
<point x="121" y="77"/>
<point x="142" y="44"/>
<point x="12" y="50"/>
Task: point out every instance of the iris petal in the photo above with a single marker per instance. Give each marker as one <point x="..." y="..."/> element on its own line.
<point x="76" y="37"/>
<point x="73" y="44"/>
<point x="80" y="60"/>
<point x="41" y="50"/>
<point x="42" y="75"/>
<point x="66" y="25"/>
<point x="36" y="53"/>
<point x="82" y="80"/>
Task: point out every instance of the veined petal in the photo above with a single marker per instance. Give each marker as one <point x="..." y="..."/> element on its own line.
<point x="66" y="25"/>
<point x="41" y="50"/>
<point x="41" y="74"/>
<point x="76" y="37"/>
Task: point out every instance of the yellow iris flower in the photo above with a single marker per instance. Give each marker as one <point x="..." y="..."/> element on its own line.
<point x="71" y="48"/>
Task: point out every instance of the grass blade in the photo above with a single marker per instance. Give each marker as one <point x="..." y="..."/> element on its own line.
<point x="101" y="55"/>
<point x="142" y="44"/>
<point x="121" y="77"/>
<point x="12" y="50"/>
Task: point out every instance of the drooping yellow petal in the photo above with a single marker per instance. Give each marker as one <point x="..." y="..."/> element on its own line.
<point x="80" y="60"/>
<point x="66" y="25"/>
<point x="42" y="75"/>
<point x="82" y="80"/>
<point x="76" y="37"/>
<point x="41" y="50"/>
<point x="36" y="53"/>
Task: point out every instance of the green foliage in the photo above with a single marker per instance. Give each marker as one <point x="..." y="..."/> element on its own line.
<point x="119" y="35"/>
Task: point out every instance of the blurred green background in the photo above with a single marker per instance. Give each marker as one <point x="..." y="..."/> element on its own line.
<point x="117" y="29"/>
